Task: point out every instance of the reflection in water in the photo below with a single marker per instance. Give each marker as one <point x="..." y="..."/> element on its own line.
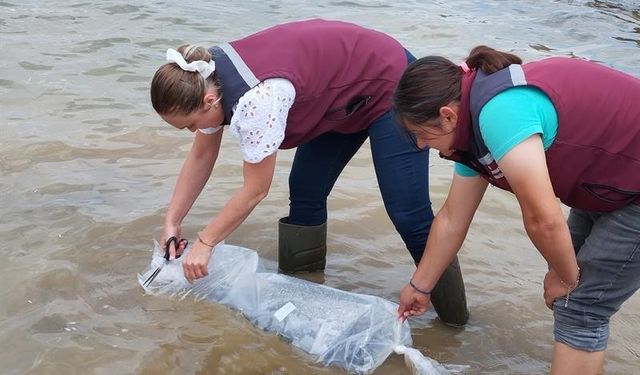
<point x="87" y="169"/>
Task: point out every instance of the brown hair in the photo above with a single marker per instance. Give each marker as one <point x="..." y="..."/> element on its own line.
<point x="432" y="82"/>
<point x="174" y="90"/>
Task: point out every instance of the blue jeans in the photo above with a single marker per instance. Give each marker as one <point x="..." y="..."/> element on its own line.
<point x="401" y="170"/>
<point x="607" y="246"/>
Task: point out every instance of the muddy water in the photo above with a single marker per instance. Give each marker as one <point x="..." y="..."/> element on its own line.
<point x="87" y="168"/>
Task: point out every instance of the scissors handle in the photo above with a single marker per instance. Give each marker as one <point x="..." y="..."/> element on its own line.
<point x="176" y="244"/>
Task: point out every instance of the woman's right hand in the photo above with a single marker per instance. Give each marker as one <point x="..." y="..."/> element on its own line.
<point x="169" y="231"/>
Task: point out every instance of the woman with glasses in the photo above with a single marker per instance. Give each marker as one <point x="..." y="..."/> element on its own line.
<point x="556" y="128"/>
<point x="321" y="86"/>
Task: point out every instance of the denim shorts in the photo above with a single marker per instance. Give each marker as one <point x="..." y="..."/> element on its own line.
<point x="607" y="246"/>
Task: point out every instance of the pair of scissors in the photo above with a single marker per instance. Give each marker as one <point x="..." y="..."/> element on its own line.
<point x="167" y="245"/>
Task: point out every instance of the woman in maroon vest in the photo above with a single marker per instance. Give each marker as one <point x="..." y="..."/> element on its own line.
<point x="321" y="86"/>
<point x="556" y="128"/>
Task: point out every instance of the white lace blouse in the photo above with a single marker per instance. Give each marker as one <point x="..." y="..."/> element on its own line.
<point x="260" y="118"/>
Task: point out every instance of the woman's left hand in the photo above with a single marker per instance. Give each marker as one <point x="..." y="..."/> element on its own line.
<point x="196" y="262"/>
<point x="553" y="288"/>
<point x="411" y="303"/>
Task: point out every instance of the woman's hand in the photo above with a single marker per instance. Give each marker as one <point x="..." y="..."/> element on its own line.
<point x="196" y="263"/>
<point x="411" y="303"/>
<point x="171" y="230"/>
<point x="553" y="288"/>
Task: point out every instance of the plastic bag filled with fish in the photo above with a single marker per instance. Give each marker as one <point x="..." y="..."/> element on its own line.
<point x="356" y="332"/>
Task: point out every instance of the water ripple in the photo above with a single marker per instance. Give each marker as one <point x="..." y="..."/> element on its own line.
<point x="30" y="66"/>
<point x="87" y="170"/>
<point x="91" y="46"/>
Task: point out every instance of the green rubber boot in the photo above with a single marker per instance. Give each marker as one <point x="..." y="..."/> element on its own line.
<point x="448" y="296"/>
<point x="301" y="248"/>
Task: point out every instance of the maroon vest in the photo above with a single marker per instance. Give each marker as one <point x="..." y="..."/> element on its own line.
<point x="343" y="74"/>
<point x="594" y="161"/>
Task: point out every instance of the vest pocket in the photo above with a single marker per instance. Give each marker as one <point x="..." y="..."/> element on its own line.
<point x="343" y="112"/>
<point x="610" y="194"/>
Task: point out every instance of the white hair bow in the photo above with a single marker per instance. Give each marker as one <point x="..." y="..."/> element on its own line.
<point x="204" y="68"/>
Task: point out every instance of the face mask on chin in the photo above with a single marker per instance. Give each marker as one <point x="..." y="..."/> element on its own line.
<point x="211" y="130"/>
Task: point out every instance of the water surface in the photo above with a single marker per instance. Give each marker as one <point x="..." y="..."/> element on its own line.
<point x="87" y="169"/>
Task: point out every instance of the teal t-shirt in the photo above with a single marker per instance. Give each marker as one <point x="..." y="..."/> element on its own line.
<point x="511" y="117"/>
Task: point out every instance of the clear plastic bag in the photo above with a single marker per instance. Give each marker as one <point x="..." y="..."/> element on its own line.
<point x="356" y="332"/>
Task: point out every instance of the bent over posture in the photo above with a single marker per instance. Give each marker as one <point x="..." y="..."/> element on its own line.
<point x="558" y="127"/>
<point x="321" y="86"/>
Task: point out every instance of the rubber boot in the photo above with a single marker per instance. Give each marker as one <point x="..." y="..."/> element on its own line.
<point x="448" y="296"/>
<point x="301" y="248"/>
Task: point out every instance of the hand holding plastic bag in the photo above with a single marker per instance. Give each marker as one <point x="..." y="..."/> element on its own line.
<point x="354" y="331"/>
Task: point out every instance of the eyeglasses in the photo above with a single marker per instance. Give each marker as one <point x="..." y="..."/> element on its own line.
<point x="413" y="137"/>
<point x="214" y="102"/>
<point x="420" y="134"/>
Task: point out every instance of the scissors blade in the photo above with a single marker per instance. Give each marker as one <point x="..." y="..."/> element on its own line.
<point x="176" y="243"/>
<point x="153" y="276"/>
<point x="155" y="273"/>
